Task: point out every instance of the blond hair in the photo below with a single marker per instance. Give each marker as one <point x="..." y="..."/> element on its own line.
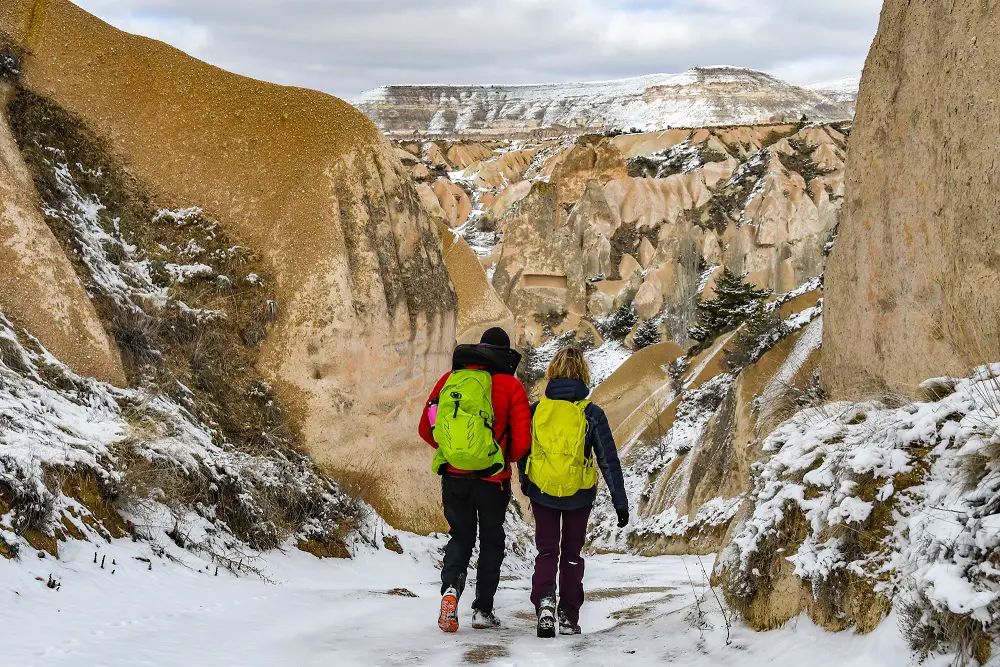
<point x="570" y="364"/>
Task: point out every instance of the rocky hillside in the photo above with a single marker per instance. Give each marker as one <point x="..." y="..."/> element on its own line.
<point x="614" y="241"/>
<point x="363" y="310"/>
<point x="704" y="96"/>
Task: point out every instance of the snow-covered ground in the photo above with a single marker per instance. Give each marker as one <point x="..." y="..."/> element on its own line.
<point x="378" y="609"/>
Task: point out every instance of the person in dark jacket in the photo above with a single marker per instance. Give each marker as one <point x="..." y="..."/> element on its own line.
<point x="472" y="503"/>
<point x="561" y="522"/>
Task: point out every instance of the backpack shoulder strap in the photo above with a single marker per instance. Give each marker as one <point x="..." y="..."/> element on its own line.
<point x="588" y="445"/>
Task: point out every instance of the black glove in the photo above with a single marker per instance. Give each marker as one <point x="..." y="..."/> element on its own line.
<point x="622" y="517"/>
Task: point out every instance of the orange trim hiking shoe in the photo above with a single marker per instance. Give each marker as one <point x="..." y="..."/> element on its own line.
<point x="448" y="620"/>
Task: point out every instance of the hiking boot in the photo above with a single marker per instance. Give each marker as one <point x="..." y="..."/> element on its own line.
<point x="485" y="620"/>
<point x="448" y="620"/>
<point x="566" y="626"/>
<point x="547" y="617"/>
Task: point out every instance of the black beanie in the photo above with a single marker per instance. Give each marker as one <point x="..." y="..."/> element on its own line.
<point x="496" y="337"/>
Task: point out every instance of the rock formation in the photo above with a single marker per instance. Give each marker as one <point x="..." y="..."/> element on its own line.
<point x="912" y="281"/>
<point x="39" y="289"/>
<point x="597" y="224"/>
<point x="366" y="311"/>
<point x="700" y="97"/>
<point x="479" y="306"/>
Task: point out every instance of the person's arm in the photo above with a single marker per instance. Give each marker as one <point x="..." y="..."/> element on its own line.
<point x="519" y="423"/>
<point x="425" y="421"/>
<point x="607" y="459"/>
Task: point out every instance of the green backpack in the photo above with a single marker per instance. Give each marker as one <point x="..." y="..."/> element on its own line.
<point x="464" y="426"/>
<point x="558" y="463"/>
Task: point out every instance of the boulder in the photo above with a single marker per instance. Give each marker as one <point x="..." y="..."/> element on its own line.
<point x="649" y="299"/>
<point x="601" y="304"/>
<point x="407" y="158"/>
<point x="628" y="267"/>
<point x="432" y="155"/>
<point x="420" y="172"/>
<point x="646" y="252"/>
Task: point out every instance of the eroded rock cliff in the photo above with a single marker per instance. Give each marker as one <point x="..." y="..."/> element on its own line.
<point x="365" y="307"/>
<point x="912" y="281"/>
<point x="39" y="289"/>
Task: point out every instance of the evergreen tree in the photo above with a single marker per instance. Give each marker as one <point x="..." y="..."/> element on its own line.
<point x="736" y="301"/>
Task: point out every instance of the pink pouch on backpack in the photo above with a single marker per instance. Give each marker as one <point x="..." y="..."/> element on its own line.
<point x="432" y="414"/>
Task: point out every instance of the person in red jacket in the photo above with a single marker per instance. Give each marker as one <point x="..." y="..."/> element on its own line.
<point x="472" y="503"/>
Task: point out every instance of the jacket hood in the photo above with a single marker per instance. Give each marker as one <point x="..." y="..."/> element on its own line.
<point x="490" y="357"/>
<point x="562" y="389"/>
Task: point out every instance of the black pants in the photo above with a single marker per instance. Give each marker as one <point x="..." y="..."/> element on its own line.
<point x="470" y="504"/>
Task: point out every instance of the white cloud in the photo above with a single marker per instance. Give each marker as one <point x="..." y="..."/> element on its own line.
<point x="346" y="46"/>
<point x="181" y="33"/>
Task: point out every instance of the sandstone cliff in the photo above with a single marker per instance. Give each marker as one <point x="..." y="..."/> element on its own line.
<point x="366" y="311"/>
<point x="39" y="289"/>
<point x="912" y="281"/>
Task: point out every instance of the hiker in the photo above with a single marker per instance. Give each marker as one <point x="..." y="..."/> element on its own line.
<point x="479" y="420"/>
<point x="570" y="439"/>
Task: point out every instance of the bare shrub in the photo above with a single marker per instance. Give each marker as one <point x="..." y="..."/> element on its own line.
<point x="10" y="356"/>
<point x="931" y="631"/>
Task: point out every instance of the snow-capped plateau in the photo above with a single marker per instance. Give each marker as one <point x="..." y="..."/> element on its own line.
<point x="703" y="96"/>
<point x="839" y="90"/>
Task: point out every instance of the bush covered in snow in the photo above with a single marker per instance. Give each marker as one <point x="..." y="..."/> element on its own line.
<point x="881" y="504"/>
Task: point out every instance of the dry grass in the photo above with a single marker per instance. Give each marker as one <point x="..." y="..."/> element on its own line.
<point x="751" y="591"/>
<point x="214" y="357"/>
<point x="928" y="631"/>
<point x="486" y="653"/>
<point x="10" y="356"/>
<point x="617" y="593"/>
<point x="368" y="483"/>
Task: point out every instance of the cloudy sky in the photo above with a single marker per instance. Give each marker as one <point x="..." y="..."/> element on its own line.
<point x="347" y="46"/>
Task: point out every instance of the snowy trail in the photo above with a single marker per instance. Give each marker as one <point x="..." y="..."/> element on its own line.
<point x="640" y="612"/>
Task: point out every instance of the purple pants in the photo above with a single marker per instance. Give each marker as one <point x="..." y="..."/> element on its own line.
<point x="559" y="538"/>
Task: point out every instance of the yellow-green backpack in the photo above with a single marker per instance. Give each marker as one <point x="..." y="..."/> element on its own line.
<point x="558" y="464"/>
<point x="464" y="427"/>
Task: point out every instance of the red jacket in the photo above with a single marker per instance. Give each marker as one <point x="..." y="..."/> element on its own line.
<point x="510" y="406"/>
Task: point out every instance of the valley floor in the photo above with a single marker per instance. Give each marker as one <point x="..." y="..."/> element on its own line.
<point x="640" y="612"/>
